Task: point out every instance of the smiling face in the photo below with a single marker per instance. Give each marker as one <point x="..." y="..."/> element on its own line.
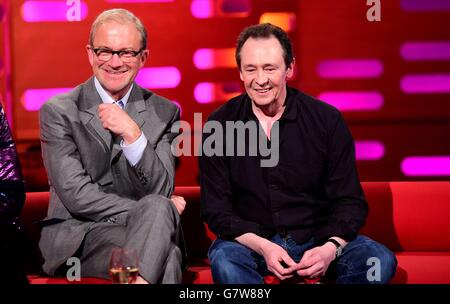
<point x="264" y="71"/>
<point x="114" y="75"/>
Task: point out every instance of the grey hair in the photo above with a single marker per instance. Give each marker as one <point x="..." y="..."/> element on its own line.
<point x="119" y="15"/>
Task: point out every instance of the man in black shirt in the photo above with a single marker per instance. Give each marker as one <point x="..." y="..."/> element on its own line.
<point x="297" y="211"/>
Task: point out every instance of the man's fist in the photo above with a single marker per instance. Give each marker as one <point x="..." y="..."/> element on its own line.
<point x="179" y="203"/>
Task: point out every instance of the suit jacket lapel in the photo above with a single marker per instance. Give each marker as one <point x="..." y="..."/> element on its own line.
<point x="136" y="105"/>
<point x="89" y="102"/>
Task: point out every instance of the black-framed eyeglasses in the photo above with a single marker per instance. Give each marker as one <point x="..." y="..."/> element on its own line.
<point x="106" y="54"/>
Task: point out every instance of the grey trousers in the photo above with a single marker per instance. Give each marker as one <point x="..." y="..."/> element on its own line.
<point x="152" y="228"/>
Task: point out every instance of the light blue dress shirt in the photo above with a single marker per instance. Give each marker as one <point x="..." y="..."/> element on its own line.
<point x="133" y="152"/>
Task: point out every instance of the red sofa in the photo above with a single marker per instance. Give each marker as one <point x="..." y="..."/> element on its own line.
<point x="411" y="218"/>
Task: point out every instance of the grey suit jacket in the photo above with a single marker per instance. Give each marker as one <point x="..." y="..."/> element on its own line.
<point x="90" y="179"/>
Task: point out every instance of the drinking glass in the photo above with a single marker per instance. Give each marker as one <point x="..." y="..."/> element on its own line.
<point x="123" y="266"/>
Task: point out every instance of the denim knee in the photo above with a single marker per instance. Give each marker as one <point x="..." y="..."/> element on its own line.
<point x="366" y="261"/>
<point x="388" y="264"/>
<point x="232" y="263"/>
<point x="223" y="254"/>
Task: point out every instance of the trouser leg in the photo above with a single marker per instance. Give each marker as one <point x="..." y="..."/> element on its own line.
<point x="153" y="228"/>
<point x="365" y="261"/>
<point x="150" y="228"/>
<point x="172" y="271"/>
<point x="233" y="263"/>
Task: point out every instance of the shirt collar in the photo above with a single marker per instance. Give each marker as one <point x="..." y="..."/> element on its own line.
<point x="106" y="98"/>
<point x="290" y="112"/>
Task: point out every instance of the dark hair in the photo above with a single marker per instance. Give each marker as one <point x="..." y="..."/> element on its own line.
<point x="265" y="30"/>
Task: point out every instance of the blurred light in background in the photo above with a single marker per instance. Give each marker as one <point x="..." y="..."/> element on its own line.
<point x="353" y="101"/>
<point x="207" y="92"/>
<point x="426" y="166"/>
<point x="350" y="68"/>
<point x="287" y="21"/>
<point x="214" y="58"/>
<point x="220" y="8"/>
<point x="42" y="11"/>
<point x="425" y="5"/>
<point x="418" y="51"/>
<point x="425" y="83"/>
<point x="138" y="1"/>
<point x="33" y="99"/>
<point x="369" y="149"/>
<point x="159" y="77"/>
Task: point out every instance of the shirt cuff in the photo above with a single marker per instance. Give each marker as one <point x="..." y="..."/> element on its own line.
<point x="133" y="152"/>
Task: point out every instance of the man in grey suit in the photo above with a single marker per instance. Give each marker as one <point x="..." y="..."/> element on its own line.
<point x="106" y="149"/>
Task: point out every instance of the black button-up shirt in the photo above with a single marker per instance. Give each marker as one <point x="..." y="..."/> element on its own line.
<point x="313" y="191"/>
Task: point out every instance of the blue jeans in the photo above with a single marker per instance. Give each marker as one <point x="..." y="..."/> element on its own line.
<point x="363" y="261"/>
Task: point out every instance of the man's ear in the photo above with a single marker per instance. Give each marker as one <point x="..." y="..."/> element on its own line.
<point x="144" y="57"/>
<point x="290" y="69"/>
<point x="90" y="54"/>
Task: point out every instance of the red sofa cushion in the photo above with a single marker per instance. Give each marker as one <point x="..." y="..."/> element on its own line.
<point x="422" y="268"/>
<point x="409" y="216"/>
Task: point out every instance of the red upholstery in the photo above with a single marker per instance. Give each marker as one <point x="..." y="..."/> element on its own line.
<point x="411" y="218"/>
<point x="36" y="279"/>
<point x="408" y="217"/>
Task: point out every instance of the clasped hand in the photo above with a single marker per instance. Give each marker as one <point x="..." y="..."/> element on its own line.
<point x="314" y="262"/>
<point x="179" y="203"/>
<point x="117" y="121"/>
